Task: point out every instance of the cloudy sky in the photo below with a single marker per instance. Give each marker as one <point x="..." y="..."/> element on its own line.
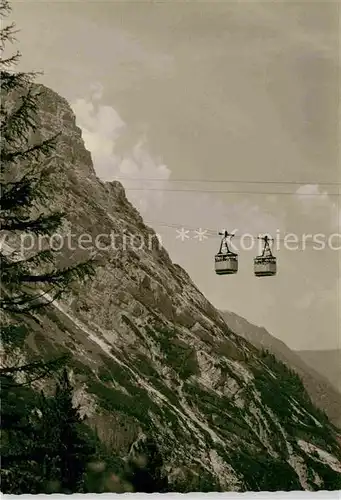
<point x="235" y="97"/>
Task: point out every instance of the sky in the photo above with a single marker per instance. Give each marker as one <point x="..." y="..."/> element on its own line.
<point x="235" y="97"/>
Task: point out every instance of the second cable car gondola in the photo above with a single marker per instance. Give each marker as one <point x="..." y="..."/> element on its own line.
<point x="226" y="262"/>
<point x="265" y="264"/>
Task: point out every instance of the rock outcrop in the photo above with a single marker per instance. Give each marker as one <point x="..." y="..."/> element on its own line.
<point x="322" y="392"/>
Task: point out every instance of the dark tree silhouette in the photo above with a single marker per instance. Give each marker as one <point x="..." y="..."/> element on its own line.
<point x="145" y="470"/>
<point x="24" y="179"/>
<point x="26" y="279"/>
<point x="67" y="447"/>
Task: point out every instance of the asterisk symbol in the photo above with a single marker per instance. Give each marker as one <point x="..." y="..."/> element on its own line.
<point x="201" y="234"/>
<point x="182" y="234"/>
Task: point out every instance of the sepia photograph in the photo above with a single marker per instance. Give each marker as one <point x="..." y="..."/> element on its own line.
<point x="170" y="247"/>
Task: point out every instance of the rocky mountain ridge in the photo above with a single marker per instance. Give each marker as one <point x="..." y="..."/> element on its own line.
<point x="323" y="393"/>
<point x="151" y="355"/>
<point x="327" y="363"/>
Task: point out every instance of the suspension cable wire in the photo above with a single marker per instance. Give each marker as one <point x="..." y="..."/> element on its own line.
<point x="225" y="191"/>
<point x="215" y="233"/>
<point x="230" y="181"/>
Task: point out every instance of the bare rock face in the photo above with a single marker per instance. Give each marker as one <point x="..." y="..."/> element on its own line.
<point x="327" y="363"/>
<point x="152" y="357"/>
<point x="324" y="394"/>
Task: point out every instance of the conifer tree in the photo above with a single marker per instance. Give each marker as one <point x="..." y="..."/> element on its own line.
<point x="23" y="187"/>
<point x="145" y="470"/>
<point x="24" y="280"/>
<point x="46" y="446"/>
<point x="27" y="282"/>
<point x="19" y="472"/>
<point x="67" y="447"/>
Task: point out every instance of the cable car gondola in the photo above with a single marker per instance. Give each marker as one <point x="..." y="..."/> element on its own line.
<point x="226" y="262"/>
<point x="265" y="264"/>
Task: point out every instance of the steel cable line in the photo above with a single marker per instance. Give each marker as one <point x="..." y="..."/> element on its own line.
<point x="215" y="233"/>
<point x="225" y="191"/>
<point x="231" y="181"/>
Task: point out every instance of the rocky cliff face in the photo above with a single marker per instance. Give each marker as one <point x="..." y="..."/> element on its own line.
<point x="322" y="392"/>
<point x="151" y="356"/>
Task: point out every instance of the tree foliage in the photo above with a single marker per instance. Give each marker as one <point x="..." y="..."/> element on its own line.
<point x="33" y="444"/>
<point x="145" y="471"/>
<point x="24" y="200"/>
<point x="46" y="445"/>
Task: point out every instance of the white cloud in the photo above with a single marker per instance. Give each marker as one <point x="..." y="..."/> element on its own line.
<point x="102" y="131"/>
<point x="319" y="205"/>
<point x="307" y="190"/>
<point x="102" y="128"/>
